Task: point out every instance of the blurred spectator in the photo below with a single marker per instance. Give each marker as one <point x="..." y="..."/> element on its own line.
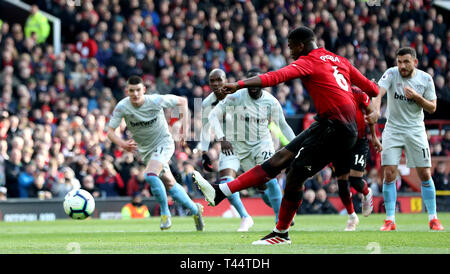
<point x="437" y="150"/>
<point x="135" y="209"/>
<point x="85" y="46"/>
<point x="3" y="193"/>
<point x="137" y="182"/>
<point x="446" y="142"/>
<point x="441" y="177"/>
<point x="37" y="26"/>
<point x="186" y="178"/>
<point x="124" y="164"/>
<point x="89" y="185"/>
<point x="3" y="158"/>
<point x="374" y="182"/>
<point x="61" y="187"/>
<point x="308" y="204"/>
<point x="13" y="167"/>
<point x="321" y="203"/>
<point x="70" y="178"/>
<point x="109" y="181"/>
<point x="39" y="189"/>
<point x="26" y="179"/>
<point x="313" y="182"/>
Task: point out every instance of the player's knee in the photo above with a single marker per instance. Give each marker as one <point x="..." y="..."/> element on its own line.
<point x="169" y="184"/>
<point x="295" y="182"/>
<point x="277" y="163"/>
<point x="343" y="177"/>
<point x="281" y="159"/>
<point x="343" y="188"/>
<point x="293" y="194"/>
<point x="355" y="180"/>
<point x="424" y="173"/>
<point x="228" y="172"/>
<point x="390" y="174"/>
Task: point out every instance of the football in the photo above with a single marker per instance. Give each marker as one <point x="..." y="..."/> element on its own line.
<point x="79" y="204"/>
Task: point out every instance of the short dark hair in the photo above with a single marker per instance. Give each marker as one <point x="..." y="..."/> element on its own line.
<point x="406" y="50"/>
<point x="135" y="80"/>
<point x="253" y="71"/>
<point x="302" y="35"/>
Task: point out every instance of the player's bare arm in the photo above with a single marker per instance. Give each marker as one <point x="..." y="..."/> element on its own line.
<point x="294" y="70"/>
<point x="374" y="139"/>
<point x="129" y="145"/>
<point x="372" y="118"/>
<point x="229" y="88"/>
<point x="227" y="147"/>
<point x="218" y="111"/>
<point x="428" y="105"/>
<point x="184" y="116"/>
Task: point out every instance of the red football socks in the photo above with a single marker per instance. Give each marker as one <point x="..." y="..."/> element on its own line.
<point x="288" y="209"/>
<point x="365" y="189"/>
<point x="347" y="201"/>
<point x="253" y="177"/>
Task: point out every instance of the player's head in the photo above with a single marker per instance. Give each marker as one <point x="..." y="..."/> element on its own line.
<point x="137" y="199"/>
<point x="301" y="41"/>
<point x="135" y="89"/>
<point x="406" y="61"/>
<point x="254" y="93"/>
<point x="217" y="78"/>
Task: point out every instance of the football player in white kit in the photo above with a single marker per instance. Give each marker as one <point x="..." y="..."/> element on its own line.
<point x="144" y="118"/>
<point x="248" y="137"/>
<point x="409" y="92"/>
<point x="228" y="162"/>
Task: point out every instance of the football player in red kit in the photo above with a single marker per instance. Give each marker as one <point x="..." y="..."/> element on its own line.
<point x="327" y="77"/>
<point x="358" y="162"/>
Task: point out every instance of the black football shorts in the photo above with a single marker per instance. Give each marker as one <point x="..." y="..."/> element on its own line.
<point x="324" y="142"/>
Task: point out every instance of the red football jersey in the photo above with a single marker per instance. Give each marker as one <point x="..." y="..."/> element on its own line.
<point x="328" y="78"/>
<point x="362" y="101"/>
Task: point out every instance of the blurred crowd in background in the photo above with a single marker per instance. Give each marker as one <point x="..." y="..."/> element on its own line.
<point x="54" y="107"/>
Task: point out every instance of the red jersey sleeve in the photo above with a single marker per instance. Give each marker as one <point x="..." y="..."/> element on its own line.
<point x="361" y="98"/>
<point x="297" y="69"/>
<point x="362" y="82"/>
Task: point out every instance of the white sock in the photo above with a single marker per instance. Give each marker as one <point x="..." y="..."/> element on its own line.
<point x="432" y="216"/>
<point x="390" y="218"/>
<point x="225" y="189"/>
<point x="352" y="216"/>
<point x="280" y="231"/>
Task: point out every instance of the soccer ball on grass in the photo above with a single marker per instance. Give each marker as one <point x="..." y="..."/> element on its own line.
<point x="79" y="204"/>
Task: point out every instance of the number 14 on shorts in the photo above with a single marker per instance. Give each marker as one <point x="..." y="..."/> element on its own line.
<point x="359" y="159"/>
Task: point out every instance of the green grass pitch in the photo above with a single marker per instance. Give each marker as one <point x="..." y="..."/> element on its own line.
<point x="313" y="234"/>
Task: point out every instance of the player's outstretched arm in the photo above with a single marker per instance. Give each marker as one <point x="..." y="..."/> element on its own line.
<point x="372" y="118"/>
<point x="214" y="121"/>
<point x="129" y="145"/>
<point x="230" y="88"/>
<point x="375" y="141"/>
<point x="184" y="116"/>
<point x="218" y="111"/>
<point x="359" y="80"/>
<point x="299" y="68"/>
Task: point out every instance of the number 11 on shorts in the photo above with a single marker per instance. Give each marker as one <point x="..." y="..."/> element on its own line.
<point x="426" y="153"/>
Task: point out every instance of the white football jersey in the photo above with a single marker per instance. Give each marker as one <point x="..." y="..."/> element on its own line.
<point x="250" y="118"/>
<point x="146" y="123"/>
<point x="403" y="113"/>
<point x="208" y="104"/>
